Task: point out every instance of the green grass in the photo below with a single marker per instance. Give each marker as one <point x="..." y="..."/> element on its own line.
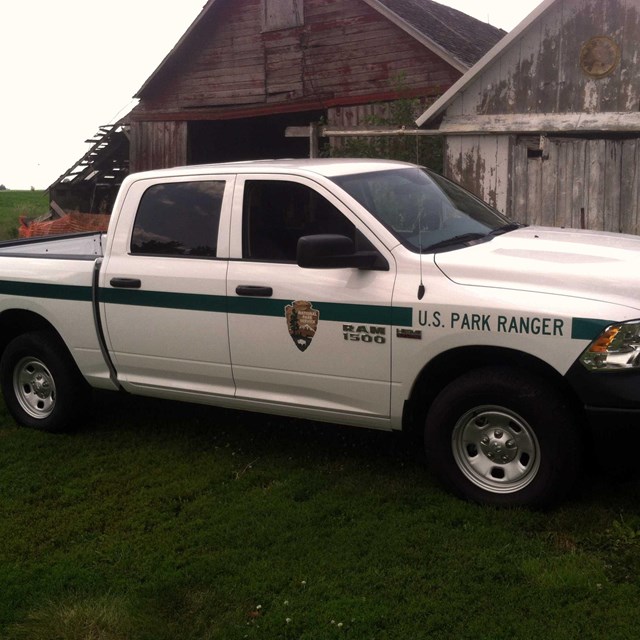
<point x="163" y="521"/>
<point x="14" y="204"/>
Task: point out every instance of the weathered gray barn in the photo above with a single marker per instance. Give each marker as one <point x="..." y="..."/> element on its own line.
<point x="547" y="125"/>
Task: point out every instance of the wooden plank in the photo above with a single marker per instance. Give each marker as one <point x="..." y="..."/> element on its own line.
<point x="223" y="99"/>
<point x="502" y="169"/>
<point x="596" y="163"/>
<point x="564" y="170"/>
<point x="249" y="76"/>
<point x="612" y="185"/>
<point x="484" y="149"/>
<point x="609" y="18"/>
<point x="508" y="63"/>
<point x="549" y="166"/>
<point x="541" y="123"/>
<point x="57" y="209"/>
<point x="520" y="182"/>
<point x="371" y="131"/>
<point x="471" y="168"/>
<point x="629" y="186"/>
<point x="577" y="214"/>
<point x="452" y="168"/>
<point x="324" y="60"/>
<point x="534" y="191"/>
<point x="546" y="85"/>
<point x="631" y="220"/>
<point x="527" y="69"/>
<point x="635" y="228"/>
<point x="629" y="84"/>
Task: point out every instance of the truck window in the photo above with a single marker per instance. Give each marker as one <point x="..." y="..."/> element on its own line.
<point x="276" y="213"/>
<point x="421" y="208"/>
<point x="179" y="219"/>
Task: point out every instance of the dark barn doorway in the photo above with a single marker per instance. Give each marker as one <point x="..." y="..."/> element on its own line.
<point x="256" y="138"/>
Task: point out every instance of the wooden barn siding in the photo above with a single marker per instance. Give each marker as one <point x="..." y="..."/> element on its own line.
<point x="541" y="73"/>
<point x="155" y="145"/>
<point x="482" y="165"/>
<point x="364" y="115"/>
<point x="345" y="50"/>
<point x="225" y="63"/>
<point x="355" y="116"/>
<point x="592" y="184"/>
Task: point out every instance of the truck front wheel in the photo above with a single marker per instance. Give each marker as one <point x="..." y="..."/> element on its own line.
<point x="41" y="384"/>
<point x="503" y="437"/>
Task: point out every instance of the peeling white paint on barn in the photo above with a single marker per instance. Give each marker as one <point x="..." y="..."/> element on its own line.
<point x="546" y="127"/>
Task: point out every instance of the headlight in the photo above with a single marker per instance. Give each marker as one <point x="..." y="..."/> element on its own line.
<point x="616" y="348"/>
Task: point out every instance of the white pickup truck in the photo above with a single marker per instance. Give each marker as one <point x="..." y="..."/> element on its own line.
<point x="368" y="293"/>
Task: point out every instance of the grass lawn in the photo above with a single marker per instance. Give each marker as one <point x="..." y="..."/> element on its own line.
<point x="14" y="204"/>
<point x="163" y="521"/>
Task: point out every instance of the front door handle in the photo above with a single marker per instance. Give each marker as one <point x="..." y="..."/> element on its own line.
<point x="126" y="283"/>
<point x="256" y="292"/>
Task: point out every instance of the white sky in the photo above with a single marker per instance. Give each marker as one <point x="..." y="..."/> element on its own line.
<point x="69" y="66"/>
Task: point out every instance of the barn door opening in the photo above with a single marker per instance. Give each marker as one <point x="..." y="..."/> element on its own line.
<point x="255" y="138"/>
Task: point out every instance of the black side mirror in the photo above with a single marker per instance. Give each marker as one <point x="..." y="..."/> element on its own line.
<point x="331" y="251"/>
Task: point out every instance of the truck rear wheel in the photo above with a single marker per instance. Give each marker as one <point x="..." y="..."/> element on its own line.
<point x="503" y="437"/>
<point x="41" y="384"/>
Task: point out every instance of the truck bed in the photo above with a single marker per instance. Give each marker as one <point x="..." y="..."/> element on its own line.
<point x="78" y="246"/>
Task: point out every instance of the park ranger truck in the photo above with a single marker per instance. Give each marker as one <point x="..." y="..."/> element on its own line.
<point x="366" y="293"/>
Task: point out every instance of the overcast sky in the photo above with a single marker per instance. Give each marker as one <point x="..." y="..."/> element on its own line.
<point x="69" y="66"/>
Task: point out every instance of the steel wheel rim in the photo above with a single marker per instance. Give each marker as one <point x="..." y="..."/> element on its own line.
<point x="34" y="387"/>
<point x="496" y="449"/>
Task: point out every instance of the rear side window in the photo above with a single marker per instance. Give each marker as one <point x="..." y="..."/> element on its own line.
<point x="179" y="219"/>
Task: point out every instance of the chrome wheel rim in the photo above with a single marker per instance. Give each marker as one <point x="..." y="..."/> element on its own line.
<point x="496" y="449"/>
<point x="34" y="387"/>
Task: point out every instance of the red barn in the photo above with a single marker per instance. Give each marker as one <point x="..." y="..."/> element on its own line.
<point x="247" y="69"/>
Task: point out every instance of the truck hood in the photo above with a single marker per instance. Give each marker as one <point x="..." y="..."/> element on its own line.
<point x="587" y="264"/>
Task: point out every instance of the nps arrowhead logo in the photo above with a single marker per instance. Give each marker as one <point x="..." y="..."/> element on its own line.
<point x="302" y="322"/>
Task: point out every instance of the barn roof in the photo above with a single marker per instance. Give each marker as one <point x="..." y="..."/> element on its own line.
<point x="463" y="37"/>
<point x="456" y="37"/>
<point x="106" y="162"/>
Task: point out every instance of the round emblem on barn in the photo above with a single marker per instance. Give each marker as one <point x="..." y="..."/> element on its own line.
<point x="599" y="56"/>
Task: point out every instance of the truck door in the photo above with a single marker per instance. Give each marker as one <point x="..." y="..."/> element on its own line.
<point x="163" y="288"/>
<point x="313" y="338"/>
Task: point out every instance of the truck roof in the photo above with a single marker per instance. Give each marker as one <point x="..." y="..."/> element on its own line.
<point x="328" y="167"/>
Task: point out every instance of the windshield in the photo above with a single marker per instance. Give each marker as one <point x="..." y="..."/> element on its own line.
<point x="425" y="211"/>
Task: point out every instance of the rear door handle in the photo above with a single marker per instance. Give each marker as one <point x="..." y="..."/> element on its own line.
<point x="256" y="292"/>
<point x="126" y="283"/>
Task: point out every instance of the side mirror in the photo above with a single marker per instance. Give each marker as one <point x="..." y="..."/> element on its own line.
<point x="330" y="251"/>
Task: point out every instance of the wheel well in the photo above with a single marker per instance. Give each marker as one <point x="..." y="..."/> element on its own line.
<point x="16" y="322"/>
<point x="446" y="367"/>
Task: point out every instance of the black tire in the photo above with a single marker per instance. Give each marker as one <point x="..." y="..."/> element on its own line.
<point x="504" y="437"/>
<point x="41" y="384"/>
